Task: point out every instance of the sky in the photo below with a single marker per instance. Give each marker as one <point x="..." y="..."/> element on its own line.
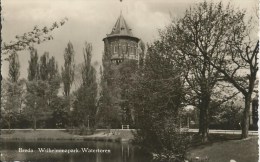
<point x="90" y="21"/>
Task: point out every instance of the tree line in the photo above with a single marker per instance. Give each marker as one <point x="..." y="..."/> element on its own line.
<point x="39" y="101"/>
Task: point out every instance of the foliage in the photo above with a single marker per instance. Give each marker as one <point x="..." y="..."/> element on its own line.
<point x="68" y="70"/>
<point x="85" y="102"/>
<point x="220" y="37"/>
<point x="33" y="69"/>
<point x="12" y="91"/>
<point x="14" y="67"/>
<point x="26" y="41"/>
<point x="127" y="75"/>
<point x="157" y="96"/>
<point x="226" y="116"/>
<point x="60" y="115"/>
<point x="109" y="112"/>
<point x="199" y="40"/>
<point x="42" y="87"/>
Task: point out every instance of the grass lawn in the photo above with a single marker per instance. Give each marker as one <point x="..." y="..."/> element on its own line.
<point x="245" y="150"/>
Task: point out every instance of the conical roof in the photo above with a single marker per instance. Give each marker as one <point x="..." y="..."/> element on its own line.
<point x="121" y="28"/>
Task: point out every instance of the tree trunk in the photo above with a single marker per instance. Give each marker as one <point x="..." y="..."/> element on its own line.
<point x="200" y="120"/>
<point x="245" y="120"/>
<point x="204" y="119"/>
<point x="204" y="124"/>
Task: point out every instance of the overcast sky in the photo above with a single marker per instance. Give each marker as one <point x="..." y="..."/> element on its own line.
<point x="89" y="20"/>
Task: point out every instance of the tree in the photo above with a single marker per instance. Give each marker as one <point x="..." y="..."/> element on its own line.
<point x="42" y="87"/>
<point x="157" y="97"/>
<point x="202" y="35"/>
<point x="109" y="114"/>
<point x="222" y="31"/>
<point x="67" y="71"/>
<point x="14" y="68"/>
<point x="127" y="75"/>
<point x="54" y="80"/>
<point x="26" y="41"/>
<point x="200" y="77"/>
<point x="60" y="114"/>
<point x="86" y="96"/>
<point x="227" y="116"/>
<point x="32" y="109"/>
<point x="50" y="80"/>
<point x="12" y="91"/>
<point x="142" y="53"/>
<point x="33" y="69"/>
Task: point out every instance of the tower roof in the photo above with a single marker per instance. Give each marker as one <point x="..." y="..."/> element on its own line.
<point x="121" y="28"/>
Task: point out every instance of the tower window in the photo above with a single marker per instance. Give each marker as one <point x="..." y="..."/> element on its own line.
<point x="124" y="49"/>
<point x="128" y="49"/>
<point x="115" y="49"/>
<point x="132" y="50"/>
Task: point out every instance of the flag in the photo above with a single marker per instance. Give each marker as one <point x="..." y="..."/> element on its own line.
<point x="120" y="0"/>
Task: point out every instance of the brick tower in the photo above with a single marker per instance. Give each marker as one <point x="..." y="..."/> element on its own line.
<point x="120" y="61"/>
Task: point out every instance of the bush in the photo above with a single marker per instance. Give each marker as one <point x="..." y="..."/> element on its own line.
<point x="165" y="140"/>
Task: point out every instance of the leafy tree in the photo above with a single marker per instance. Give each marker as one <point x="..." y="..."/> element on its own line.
<point x="12" y="91"/>
<point x="26" y="41"/>
<point x="109" y="114"/>
<point x="14" y="68"/>
<point x="157" y="97"/>
<point x="142" y="53"/>
<point x="127" y="75"/>
<point x="226" y="116"/>
<point x="33" y="70"/>
<point x="54" y="81"/>
<point x="42" y="87"/>
<point x="35" y="105"/>
<point x="60" y="115"/>
<point x="68" y="70"/>
<point x="43" y="67"/>
<point x="11" y="101"/>
<point x="200" y="77"/>
<point x="203" y="30"/>
<point x="86" y="96"/>
<point x="220" y="37"/>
